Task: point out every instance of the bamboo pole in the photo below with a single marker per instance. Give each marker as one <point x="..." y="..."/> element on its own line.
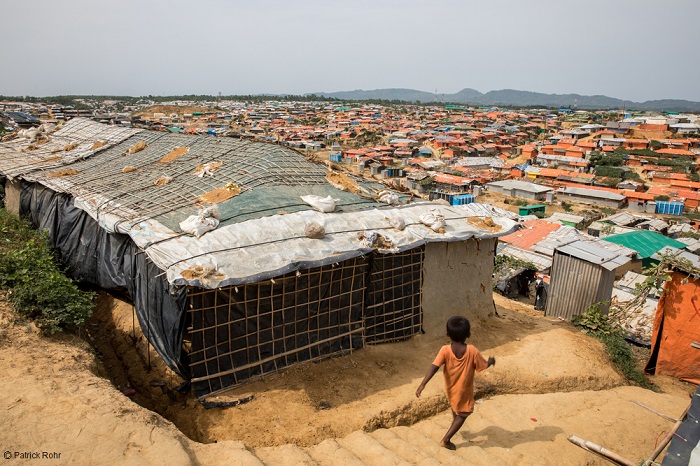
<point x="668" y="418"/>
<point x="660" y="447"/>
<point x="598" y="450"/>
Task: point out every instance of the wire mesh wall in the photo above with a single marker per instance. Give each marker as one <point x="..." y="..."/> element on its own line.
<point x="393" y="300"/>
<point x="241" y="332"/>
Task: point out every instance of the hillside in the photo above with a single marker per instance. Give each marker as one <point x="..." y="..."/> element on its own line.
<point x="515" y="98"/>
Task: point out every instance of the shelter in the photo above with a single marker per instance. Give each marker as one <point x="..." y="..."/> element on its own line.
<point x="582" y="274"/>
<point x="645" y="242"/>
<point x="677" y="329"/>
<point x="257" y="293"/>
<point x="516" y="188"/>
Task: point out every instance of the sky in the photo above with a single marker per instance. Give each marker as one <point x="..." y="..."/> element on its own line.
<point x="630" y="49"/>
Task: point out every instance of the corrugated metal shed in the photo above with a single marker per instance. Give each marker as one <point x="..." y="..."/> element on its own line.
<point x="592" y="193"/>
<point x="583" y="273"/>
<point x="520" y="186"/>
<point x="622" y="219"/>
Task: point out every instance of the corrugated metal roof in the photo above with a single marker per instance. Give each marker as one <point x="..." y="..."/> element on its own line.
<point x="622" y="219"/>
<point x="531" y="232"/>
<point x="597" y="252"/>
<point x="564" y="217"/>
<point x="655" y="224"/>
<point x="556" y="238"/>
<point x="520" y="185"/>
<point x="542" y="262"/>
<point x="689" y="256"/>
<point x="595" y="193"/>
<point x="646" y="243"/>
<point x="692" y="244"/>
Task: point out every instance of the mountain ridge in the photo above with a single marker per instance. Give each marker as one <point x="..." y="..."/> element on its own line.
<point x="514" y="98"/>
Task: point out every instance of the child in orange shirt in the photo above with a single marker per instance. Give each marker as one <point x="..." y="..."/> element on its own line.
<point x="461" y="361"/>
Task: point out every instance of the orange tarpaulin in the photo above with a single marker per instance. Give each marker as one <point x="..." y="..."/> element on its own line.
<point x="676" y="326"/>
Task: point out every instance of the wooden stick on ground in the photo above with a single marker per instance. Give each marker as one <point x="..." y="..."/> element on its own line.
<point x="598" y="450"/>
<point x="660" y="447"/>
<point x="668" y="418"/>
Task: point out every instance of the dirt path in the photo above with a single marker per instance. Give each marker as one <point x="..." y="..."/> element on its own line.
<point x="56" y="401"/>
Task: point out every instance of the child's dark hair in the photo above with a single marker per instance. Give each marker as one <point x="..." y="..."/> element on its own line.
<point x="458" y="328"/>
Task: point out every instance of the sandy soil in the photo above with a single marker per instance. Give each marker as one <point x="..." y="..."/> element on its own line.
<point x="57" y="398"/>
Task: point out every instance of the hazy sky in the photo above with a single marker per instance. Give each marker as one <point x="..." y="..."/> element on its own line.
<point x="630" y="49"/>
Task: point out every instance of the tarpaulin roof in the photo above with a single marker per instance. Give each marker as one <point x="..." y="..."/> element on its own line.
<point x="145" y="183"/>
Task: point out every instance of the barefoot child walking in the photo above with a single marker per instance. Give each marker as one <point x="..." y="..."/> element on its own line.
<point x="460" y="361"/>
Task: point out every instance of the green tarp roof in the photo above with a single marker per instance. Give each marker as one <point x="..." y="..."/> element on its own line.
<point x="646" y="243"/>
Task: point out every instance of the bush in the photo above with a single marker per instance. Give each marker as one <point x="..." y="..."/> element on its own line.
<point x="596" y="324"/>
<point x="656" y="145"/>
<point x="662" y="198"/>
<point x="38" y="288"/>
<point x="610" y="172"/>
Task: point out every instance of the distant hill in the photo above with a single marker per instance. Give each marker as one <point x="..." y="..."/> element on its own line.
<point x="515" y="98"/>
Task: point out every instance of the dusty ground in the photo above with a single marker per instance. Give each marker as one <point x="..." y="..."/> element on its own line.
<point x="550" y="381"/>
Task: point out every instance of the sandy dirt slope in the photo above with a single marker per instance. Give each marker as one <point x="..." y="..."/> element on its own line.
<point x="54" y="400"/>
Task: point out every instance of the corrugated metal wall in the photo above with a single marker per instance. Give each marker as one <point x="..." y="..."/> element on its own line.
<point x="575" y="285"/>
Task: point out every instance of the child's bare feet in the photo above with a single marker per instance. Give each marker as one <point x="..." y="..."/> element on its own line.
<point x="448" y="445"/>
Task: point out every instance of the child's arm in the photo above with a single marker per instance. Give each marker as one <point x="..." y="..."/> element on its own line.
<point x="428" y="375"/>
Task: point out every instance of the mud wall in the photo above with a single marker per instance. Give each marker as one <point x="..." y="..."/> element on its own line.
<point x="457" y="281"/>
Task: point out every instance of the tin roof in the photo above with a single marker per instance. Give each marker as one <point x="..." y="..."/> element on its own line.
<point x="646" y="243"/>
<point x="608" y="256"/>
<point x="520" y="185"/>
<point x="592" y="193"/>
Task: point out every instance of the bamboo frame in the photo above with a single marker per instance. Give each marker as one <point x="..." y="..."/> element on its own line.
<point x="240" y="333"/>
<point x="298" y="317"/>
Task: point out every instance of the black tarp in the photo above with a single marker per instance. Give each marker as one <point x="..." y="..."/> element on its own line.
<point x="682" y="445"/>
<point x="112" y="261"/>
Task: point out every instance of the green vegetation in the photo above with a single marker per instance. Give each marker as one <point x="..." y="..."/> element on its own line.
<point x="566" y="206"/>
<point x="37" y="287"/>
<point x="596" y="323"/>
<point x="662" y="197"/>
<point x="503" y="262"/>
<point x="612" y="172"/>
<point x="601" y="159"/>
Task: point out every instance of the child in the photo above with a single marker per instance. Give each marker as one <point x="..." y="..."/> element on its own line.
<point x="460" y="360"/>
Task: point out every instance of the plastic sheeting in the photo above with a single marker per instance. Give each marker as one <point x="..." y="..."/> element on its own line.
<point x="676" y="326"/>
<point x="112" y="261"/>
<point x="267" y="247"/>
